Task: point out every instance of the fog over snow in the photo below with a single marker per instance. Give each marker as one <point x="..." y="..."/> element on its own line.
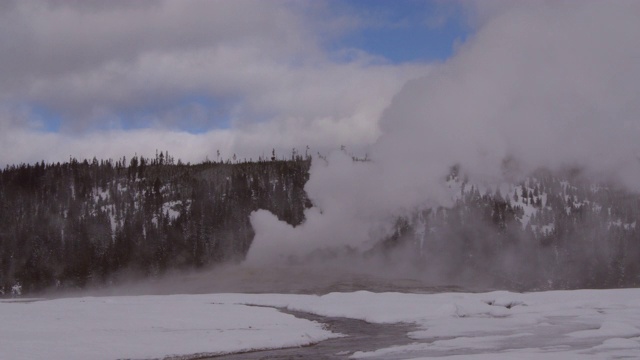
<point x="540" y="85"/>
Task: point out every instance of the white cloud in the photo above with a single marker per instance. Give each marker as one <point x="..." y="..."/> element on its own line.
<point x="257" y="70"/>
<point x="548" y="84"/>
<point x="551" y="84"/>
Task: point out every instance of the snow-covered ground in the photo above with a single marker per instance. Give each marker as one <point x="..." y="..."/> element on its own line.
<point x="145" y="327"/>
<point x="578" y="324"/>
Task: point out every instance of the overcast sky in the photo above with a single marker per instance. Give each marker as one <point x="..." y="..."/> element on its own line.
<point x="87" y="78"/>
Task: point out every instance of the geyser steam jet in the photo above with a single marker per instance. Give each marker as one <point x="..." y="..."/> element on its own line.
<point x="543" y="84"/>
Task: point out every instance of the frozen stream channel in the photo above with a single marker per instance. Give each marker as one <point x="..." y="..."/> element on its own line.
<point x="360" y="335"/>
<point x="363" y="339"/>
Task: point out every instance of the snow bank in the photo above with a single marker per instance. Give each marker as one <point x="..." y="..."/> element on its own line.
<point x="145" y="327"/>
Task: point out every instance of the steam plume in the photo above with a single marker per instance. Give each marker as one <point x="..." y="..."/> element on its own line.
<point x="544" y="84"/>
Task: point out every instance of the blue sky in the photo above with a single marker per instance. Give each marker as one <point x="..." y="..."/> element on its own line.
<point x="397" y="32"/>
<point x="405" y="30"/>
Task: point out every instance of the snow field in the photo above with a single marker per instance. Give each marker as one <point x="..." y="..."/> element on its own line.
<point x="577" y="324"/>
<point x="145" y="327"/>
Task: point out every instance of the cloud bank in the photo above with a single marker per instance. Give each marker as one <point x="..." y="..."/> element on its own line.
<point x="108" y="79"/>
<point x="541" y="84"/>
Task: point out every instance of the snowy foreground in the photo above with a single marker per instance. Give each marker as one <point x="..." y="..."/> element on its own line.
<point x="579" y="324"/>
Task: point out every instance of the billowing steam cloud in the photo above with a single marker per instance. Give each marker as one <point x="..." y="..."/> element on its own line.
<point x="542" y="84"/>
<point x="545" y="84"/>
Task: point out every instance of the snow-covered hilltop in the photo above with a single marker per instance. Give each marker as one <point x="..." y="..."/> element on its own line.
<point x="547" y="231"/>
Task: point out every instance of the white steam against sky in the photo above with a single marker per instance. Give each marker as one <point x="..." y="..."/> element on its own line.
<point x="547" y="84"/>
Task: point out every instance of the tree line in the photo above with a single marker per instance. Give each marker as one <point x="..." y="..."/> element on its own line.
<point x="79" y="223"/>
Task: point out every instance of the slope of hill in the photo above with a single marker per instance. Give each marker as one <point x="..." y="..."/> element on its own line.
<point x="79" y="223"/>
<point x="548" y="231"/>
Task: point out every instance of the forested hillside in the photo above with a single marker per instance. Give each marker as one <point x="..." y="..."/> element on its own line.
<point x="548" y="231"/>
<point x="91" y="222"/>
<point x="82" y="223"/>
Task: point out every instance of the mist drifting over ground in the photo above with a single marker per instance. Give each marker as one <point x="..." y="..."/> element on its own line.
<point x="541" y="85"/>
